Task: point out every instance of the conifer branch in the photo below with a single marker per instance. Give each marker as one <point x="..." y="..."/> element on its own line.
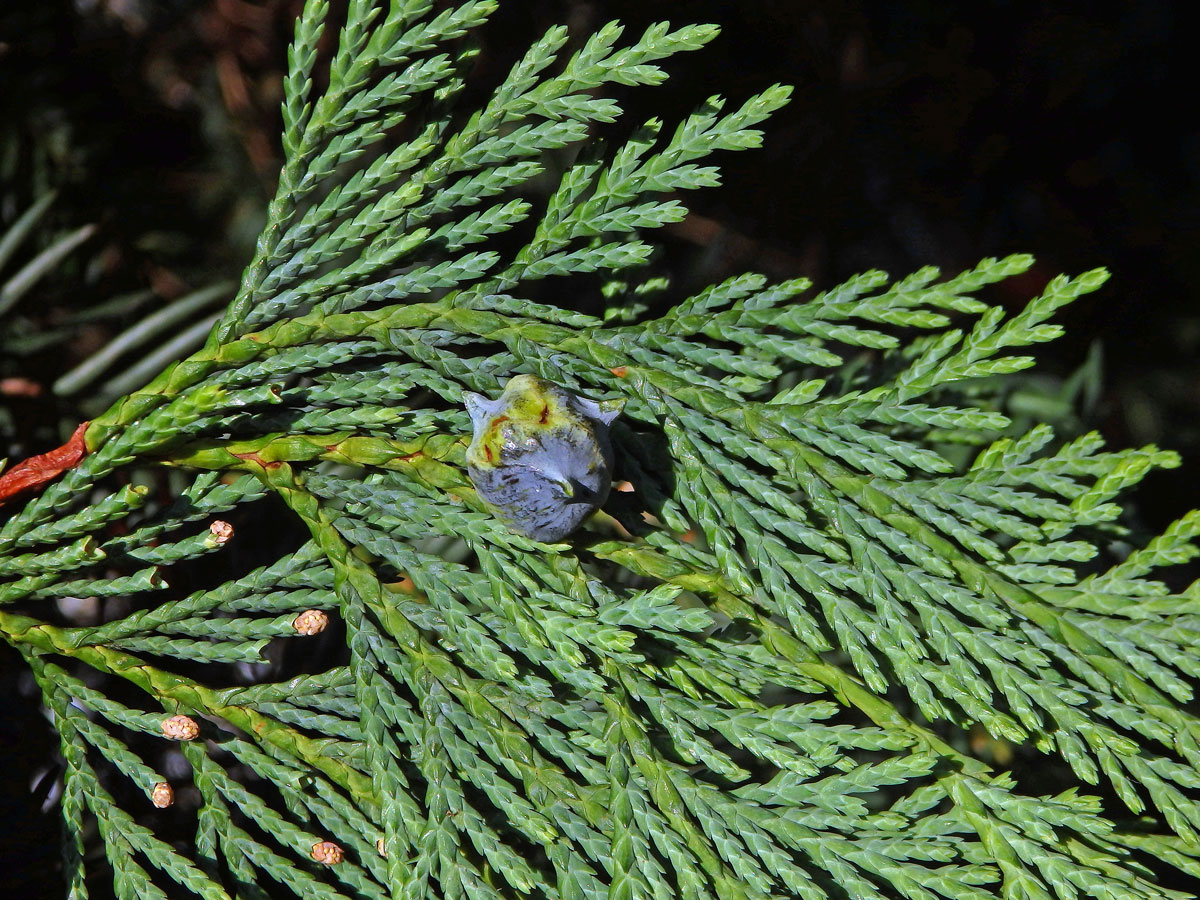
<point x="746" y="676"/>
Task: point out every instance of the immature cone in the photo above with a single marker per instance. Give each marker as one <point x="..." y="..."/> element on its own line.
<point x="540" y="456"/>
<point x="310" y="622"/>
<point x="180" y="728"/>
<point x="163" y="795"/>
<point x="221" y="531"/>
<point x="381" y="848"/>
<point x="328" y="853"/>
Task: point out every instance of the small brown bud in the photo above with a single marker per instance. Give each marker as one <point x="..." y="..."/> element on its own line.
<point x="163" y="795"/>
<point x="220" y="532"/>
<point x="310" y="622"/>
<point x="381" y="848"/>
<point x="328" y="852"/>
<point x="180" y="728"/>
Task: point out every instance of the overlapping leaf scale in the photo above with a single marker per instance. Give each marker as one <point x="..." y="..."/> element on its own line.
<point x="122" y="835"/>
<point x="1171" y="642"/>
<point x="761" y="843"/>
<point x="194" y="629"/>
<point x="307" y="792"/>
<point x="816" y="748"/>
<point x="1027" y="835"/>
<point x="592" y="201"/>
<point x="92" y="518"/>
<point x="298" y="832"/>
<point x="492" y="144"/>
<point x="1047" y="841"/>
<point x="40" y="575"/>
<point x="1048" y="861"/>
<point x="1095" y="670"/>
<point x="744" y="859"/>
<point x="733" y="503"/>
<point x="1061" y="673"/>
<point x="1176" y="543"/>
<point x="417" y="512"/>
<point x="984" y="341"/>
<point x="481" y="746"/>
<point x="396" y="226"/>
<point x="223" y="843"/>
<point x="482" y="749"/>
<point x="316" y="139"/>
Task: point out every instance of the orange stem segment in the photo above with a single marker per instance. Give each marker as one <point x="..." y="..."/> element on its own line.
<point x="37" y="470"/>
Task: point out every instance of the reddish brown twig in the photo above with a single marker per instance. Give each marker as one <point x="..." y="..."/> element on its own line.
<point x="39" y="469"/>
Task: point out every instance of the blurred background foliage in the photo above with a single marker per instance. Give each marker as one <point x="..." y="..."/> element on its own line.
<point x="139" y="145"/>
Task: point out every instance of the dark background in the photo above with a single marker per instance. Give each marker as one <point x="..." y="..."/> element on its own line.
<point x="920" y="132"/>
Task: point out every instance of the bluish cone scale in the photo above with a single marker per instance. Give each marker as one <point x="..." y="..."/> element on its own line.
<point x="540" y="456"/>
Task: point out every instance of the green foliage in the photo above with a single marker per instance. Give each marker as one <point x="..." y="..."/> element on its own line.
<point x="750" y="677"/>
